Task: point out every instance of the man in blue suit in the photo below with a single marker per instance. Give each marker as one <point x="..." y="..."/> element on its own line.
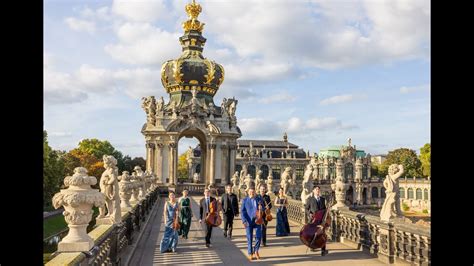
<point x="248" y="212"/>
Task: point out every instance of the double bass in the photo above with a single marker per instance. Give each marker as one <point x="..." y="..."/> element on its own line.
<point x="213" y="218"/>
<point x="313" y="235"/>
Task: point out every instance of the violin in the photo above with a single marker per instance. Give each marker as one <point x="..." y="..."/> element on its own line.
<point x="313" y="234"/>
<point x="176" y="225"/>
<point x="268" y="213"/>
<point x="259" y="215"/>
<point x="213" y="218"/>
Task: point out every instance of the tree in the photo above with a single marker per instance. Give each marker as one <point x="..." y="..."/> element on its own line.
<point x="425" y="158"/>
<point x="99" y="148"/>
<point x="129" y="164"/>
<point x="53" y="172"/>
<point x="182" y="167"/>
<point x="407" y="158"/>
<point x="78" y="158"/>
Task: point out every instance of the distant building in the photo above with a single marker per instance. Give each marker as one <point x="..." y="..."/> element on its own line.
<point x="378" y="159"/>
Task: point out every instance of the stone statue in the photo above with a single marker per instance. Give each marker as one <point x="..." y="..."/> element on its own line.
<point x="243" y="173"/>
<point x="391" y="205"/>
<point x="224" y="108"/>
<point x="126" y="190"/>
<point x="359" y="189"/>
<point x="248" y="182"/>
<point x="258" y="180"/>
<point x="196" y="178"/>
<point x="136" y="188"/>
<point x="234" y="180"/>
<point x="160" y="104"/>
<point x="212" y="110"/>
<point x="189" y="153"/>
<point x="77" y="201"/>
<point x="307" y="183"/>
<point x="141" y="181"/>
<point x="339" y="188"/>
<point x="286" y="180"/>
<point x="149" y="105"/>
<point x="110" y="188"/>
<point x="269" y="183"/>
<point x="174" y="112"/>
<point x="232" y="107"/>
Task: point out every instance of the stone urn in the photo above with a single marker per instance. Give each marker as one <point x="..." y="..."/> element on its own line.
<point x="77" y="201"/>
<point x="126" y="190"/>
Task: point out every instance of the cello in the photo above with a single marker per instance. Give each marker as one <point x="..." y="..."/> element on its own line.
<point x="259" y="215"/>
<point x="213" y="218"/>
<point x="176" y="225"/>
<point x="313" y="235"/>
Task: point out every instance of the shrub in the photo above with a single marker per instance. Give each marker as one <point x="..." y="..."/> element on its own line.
<point x="405" y="207"/>
<point x="425" y="211"/>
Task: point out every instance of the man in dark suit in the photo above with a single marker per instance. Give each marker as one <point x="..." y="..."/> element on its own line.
<point x="203" y="211"/>
<point x="230" y="208"/>
<point x="268" y="205"/>
<point x="316" y="203"/>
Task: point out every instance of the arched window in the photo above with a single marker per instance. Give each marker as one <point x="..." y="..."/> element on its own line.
<point x="402" y="193"/>
<point x="198" y="168"/>
<point x="348" y="171"/>
<point x="410" y="193"/>
<point x="375" y="192"/>
<point x="426" y="194"/>
<point x="364" y="171"/>
<point x="276" y="172"/>
<point x="251" y="171"/>
<point x="238" y="168"/>
<point x="299" y="171"/>
<point x="264" y="169"/>
<point x="419" y="193"/>
<point x="320" y="171"/>
<point x="383" y="193"/>
<point x="332" y="171"/>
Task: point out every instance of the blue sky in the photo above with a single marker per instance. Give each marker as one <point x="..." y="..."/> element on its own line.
<point x="323" y="71"/>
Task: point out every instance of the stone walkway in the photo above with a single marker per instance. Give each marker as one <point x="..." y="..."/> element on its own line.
<point x="279" y="250"/>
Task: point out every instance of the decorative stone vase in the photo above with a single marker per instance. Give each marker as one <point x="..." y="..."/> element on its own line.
<point x="126" y="190"/>
<point x="77" y="201"/>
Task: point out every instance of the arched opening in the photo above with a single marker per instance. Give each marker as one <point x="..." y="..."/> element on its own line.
<point x="350" y="195"/>
<point x="364" y="172"/>
<point x="238" y="168"/>
<point x="348" y="170"/>
<point x="320" y="171"/>
<point x="332" y="171"/>
<point x="251" y="170"/>
<point x="375" y="192"/>
<point x="264" y="169"/>
<point x="276" y="172"/>
<point x="192" y="153"/>
<point x="426" y="194"/>
<point x="419" y="194"/>
<point x="410" y="193"/>
<point x="299" y="171"/>
<point x="364" y="196"/>
<point x="402" y="193"/>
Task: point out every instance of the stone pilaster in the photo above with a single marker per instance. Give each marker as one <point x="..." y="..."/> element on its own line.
<point x="212" y="164"/>
<point x="158" y="165"/>
<point x="232" y="154"/>
<point x="172" y="163"/>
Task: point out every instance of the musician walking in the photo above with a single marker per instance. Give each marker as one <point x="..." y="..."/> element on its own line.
<point x="204" y="209"/>
<point x="315" y="203"/>
<point x="268" y="205"/>
<point x="169" y="242"/>
<point x="248" y="214"/>
<point x="230" y="208"/>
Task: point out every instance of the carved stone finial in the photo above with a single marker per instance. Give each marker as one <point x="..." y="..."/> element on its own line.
<point x="77" y="201"/>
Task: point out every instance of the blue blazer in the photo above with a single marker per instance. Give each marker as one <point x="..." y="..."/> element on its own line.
<point x="248" y="210"/>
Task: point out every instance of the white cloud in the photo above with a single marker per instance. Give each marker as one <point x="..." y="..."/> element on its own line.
<point x="425" y="87"/>
<point x="141" y="82"/>
<point x="80" y="25"/>
<point x="278" y="97"/>
<point x="258" y="127"/>
<point x="141" y="11"/>
<point x="341" y="99"/>
<point x="143" y="44"/>
<point x="95" y="79"/>
<point x="102" y="13"/>
<point x="59" y="134"/>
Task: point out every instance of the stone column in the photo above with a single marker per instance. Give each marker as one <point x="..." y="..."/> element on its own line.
<point x="77" y="201"/>
<point x="149" y="156"/>
<point x="212" y="164"/>
<point x="224" y="151"/>
<point x="172" y="163"/>
<point x="232" y="154"/>
<point x="369" y="194"/>
<point x="158" y="168"/>
<point x="326" y="170"/>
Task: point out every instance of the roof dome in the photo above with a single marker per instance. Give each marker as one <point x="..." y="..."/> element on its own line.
<point x="191" y="69"/>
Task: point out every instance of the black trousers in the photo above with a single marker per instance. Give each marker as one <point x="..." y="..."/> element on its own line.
<point x="264" y="232"/>
<point x="208" y="233"/>
<point x="228" y="222"/>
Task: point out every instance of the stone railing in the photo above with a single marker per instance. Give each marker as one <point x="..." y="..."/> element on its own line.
<point x="111" y="242"/>
<point x="393" y="242"/>
<point x="192" y="188"/>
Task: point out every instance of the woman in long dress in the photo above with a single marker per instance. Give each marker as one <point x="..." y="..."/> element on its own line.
<point x="170" y="236"/>
<point x="185" y="214"/>
<point x="282" y="226"/>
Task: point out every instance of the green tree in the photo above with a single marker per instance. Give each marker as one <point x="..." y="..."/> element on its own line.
<point x="182" y="167"/>
<point x="407" y="158"/>
<point x="425" y="158"/>
<point x="99" y="148"/>
<point x="53" y="172"/>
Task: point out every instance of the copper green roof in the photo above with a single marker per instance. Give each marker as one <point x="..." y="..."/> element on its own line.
<point x="334" y="151"/>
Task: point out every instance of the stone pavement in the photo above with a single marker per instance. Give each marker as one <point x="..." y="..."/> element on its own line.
<point x="279" y="250"/>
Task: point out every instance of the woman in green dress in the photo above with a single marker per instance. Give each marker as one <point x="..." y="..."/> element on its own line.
<point x="185" y="214"/>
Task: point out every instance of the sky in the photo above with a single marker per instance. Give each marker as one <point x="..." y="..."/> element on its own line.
<point x="322" y="71"/>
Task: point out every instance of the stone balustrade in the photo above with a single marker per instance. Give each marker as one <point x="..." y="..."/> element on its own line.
<point x="111" y="241"/>
<point x="195" y="189"/>
<point x="394" y="242"/>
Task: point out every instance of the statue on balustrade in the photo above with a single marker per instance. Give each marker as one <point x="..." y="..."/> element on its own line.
<point x="196" y="178"/>
<point x="140" y="177"/>
<point x="391" y="205"/>
<point x="286" y="180"/>
<point x="258" y="180"/>
<point x="269" y="183"/>
<point x="109" y="186"/>
<point x="234" y="180"/>
<point x="126" y="189"/>
<point x="243" y="173"/>
<point x="307" y="183"/>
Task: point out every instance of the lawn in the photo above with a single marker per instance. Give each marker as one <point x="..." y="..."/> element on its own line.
<point x="53" y="225"/>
